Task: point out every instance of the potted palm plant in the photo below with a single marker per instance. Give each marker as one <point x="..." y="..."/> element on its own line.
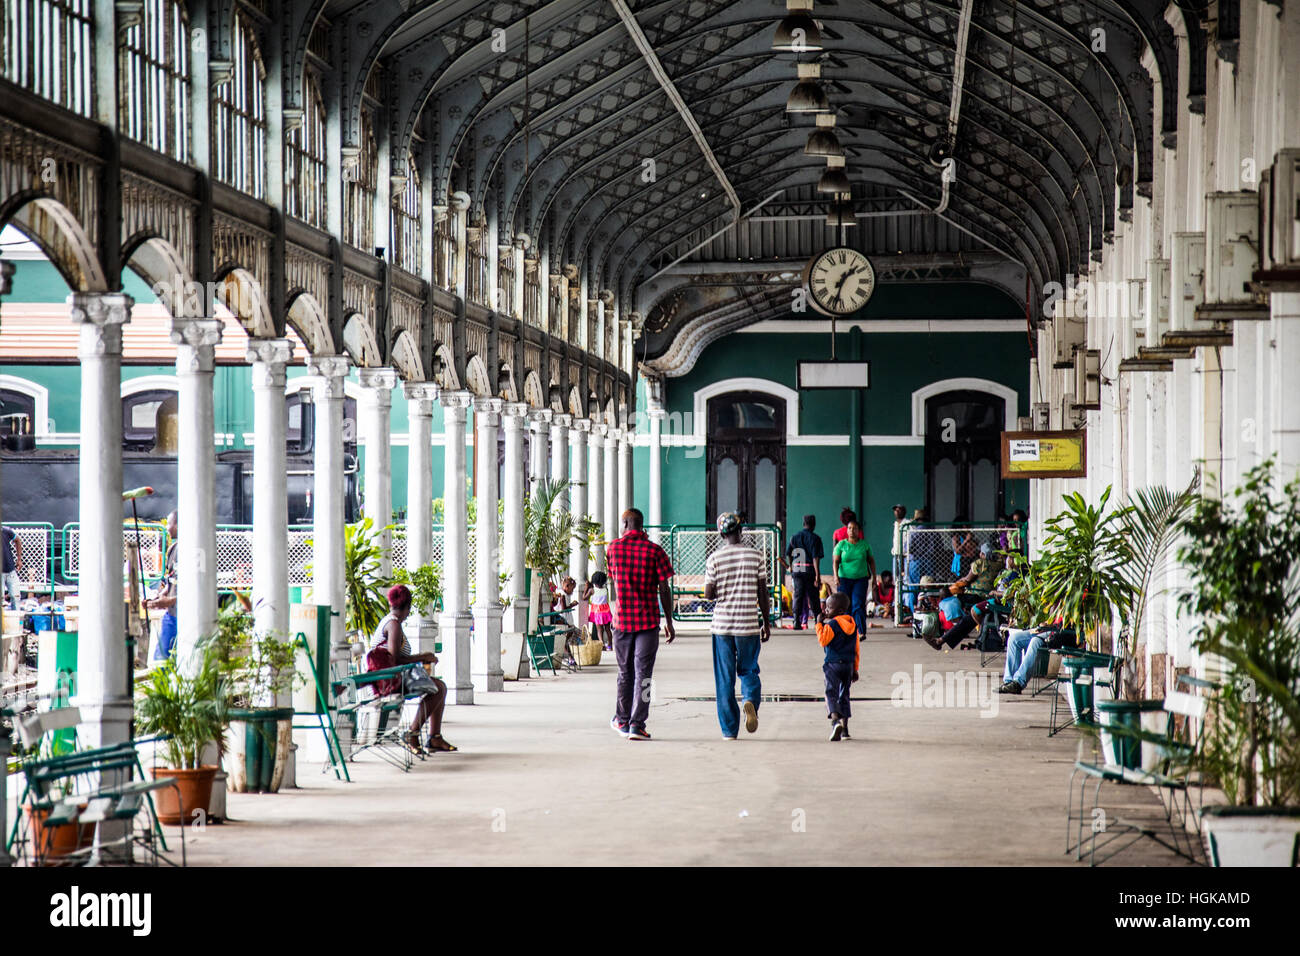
<point x="549" y="533"/>
<point x="1243" y="558"/>
<point x="187" y="706"/>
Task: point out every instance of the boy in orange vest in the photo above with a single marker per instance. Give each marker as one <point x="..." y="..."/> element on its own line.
<point x="838" y="634"/>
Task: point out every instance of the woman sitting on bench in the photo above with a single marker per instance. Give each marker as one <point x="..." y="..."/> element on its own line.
<point x="390" y="648"/>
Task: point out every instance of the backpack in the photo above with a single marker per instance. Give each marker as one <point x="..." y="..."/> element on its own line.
<point x="926" y="624"/>
<point x="989" y="639"/>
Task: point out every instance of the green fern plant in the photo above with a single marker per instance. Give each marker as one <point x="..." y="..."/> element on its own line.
<point x="549" y="531"/>
<point x="363" y="578"/>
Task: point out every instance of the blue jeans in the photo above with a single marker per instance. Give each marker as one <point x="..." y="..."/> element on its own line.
<point x="1022" y="652"/>
<point x="166" y="638"/>
<point x="735" y="657"/>
<point x="857" y="589"/>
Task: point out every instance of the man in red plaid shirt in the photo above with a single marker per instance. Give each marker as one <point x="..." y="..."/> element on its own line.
<point x="639" y="571"/>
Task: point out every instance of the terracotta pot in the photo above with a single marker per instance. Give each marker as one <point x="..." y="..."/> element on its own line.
<point x="195" y="794"/>
<point x="61" y="840"/>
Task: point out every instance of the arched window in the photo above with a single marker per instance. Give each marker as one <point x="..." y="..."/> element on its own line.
<point x="239" y="118"/>
<point x="47" y="49"/>
<point x="405" y="240"/>
<point x="359" y="189"/>
<point x="154" y="64"/>
<point x="304" y="173"/>
<point x="140" y="417"/>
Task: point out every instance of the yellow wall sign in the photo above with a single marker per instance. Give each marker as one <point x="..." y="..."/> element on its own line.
<point x="1044" y="455"/>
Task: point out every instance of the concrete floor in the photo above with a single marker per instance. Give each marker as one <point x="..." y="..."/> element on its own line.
<point x="541" y="779"/>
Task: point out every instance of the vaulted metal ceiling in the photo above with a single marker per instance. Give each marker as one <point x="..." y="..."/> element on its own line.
<point x="550" y="124"/>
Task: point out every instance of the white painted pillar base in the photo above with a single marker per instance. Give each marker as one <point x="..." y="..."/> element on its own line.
<point x="486" y="673"/>
<point x="376" y="414"/>
<point x="106" y="707"/>
<point x="421" y="630"/>
<point x="196" y="477"/>
<point x="454" y="623"/>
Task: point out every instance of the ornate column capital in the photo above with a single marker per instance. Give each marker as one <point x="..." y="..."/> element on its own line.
<point x="195" y="341"/>
<point x="598" y="429"/>
<point x="539" y="417"/>
<point x="487" y="410"/>
<point x="580" y="425"/>
<point x="382" y="380"/>
<point x="269" y="358"/>
<point x="330" y="370"/>
<point x="454" y="405"/>
<point x="561" y="420"/>
<point x="513" y="414"/>
<point x="101" y="316"/>
<point x="613" y="435"/>
<point x="420" y="392"/>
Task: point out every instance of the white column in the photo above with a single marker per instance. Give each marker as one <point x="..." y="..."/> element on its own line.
<point x="102" y="661"/>
<point x="656" y="499"/>
<point x="455" y="620"/>
<point x="559" y="446"/>
<point x="1285" y="442"/>
<point x="612" y="436"/>
<point x="486" y="671"/>
<point x="376" y="414"/>
<point x="625" y="470"/>
<point x="196" y="477"/>
<point x="578" y="495"/>
<point x="270" y="489"/>
<point x="420" y="630"/>
<point x="560" y="451"/>
<point x="513" y="415"/>
<point x="329" y="584"/>
<point x="538" y="419"/>
<point x="596" y="485"/>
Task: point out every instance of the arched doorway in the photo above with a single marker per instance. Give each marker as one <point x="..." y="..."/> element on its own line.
<point x="746" y="456"/>
<point x="963" y="474"/>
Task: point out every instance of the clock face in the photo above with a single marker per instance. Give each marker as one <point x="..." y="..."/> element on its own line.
<point x="839" y="281"/>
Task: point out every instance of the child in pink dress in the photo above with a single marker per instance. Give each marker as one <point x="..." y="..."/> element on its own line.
<point x="598" y="613"/>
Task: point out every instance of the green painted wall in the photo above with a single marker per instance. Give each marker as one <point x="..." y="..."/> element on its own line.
<point x="818" y="476"/>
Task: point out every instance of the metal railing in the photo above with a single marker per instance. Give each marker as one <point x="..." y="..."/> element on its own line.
<point x="153" y="549"/>
<point x="35" y="565"/>
<point x="689" y="547"/>
<point x="943" y="553"/>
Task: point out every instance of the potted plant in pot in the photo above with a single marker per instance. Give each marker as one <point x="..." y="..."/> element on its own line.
<point x="1243" y="557"/>
<point x="549" y="533"/>
<point x="188" y="706"/>
<point x="258" y="670"/>
<point x="1078" y="579"/>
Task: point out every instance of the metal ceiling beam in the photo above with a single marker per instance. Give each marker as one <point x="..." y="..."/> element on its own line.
<point x="660" y="74"/>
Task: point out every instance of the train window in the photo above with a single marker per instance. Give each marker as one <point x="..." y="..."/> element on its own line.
<point x="140" y="416"/>
<point x="17" y="412"/>
<point x="300" y="430"/>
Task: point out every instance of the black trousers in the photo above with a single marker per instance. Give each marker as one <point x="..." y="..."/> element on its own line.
<point x="961" y="630"/>
<point x="805" y="601"/>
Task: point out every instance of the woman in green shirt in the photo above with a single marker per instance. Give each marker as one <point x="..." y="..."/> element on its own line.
<point x="855" y="573"/>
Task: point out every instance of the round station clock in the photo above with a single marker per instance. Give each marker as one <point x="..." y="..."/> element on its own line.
<point x="839" y="281"/>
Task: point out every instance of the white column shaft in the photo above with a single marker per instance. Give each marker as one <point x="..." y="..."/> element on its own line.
<point x="270" y="488"/>
<point x="578" y="497"/>
<point x="376" y="414"/>
<point x="655" y="478"/>
<point x="486" y="670"/>
<point x="611" y="486"/>
<point x="596" y="487"/>
<point x="421" y="630"/>
<point x="329" y="584"/>
<point x="101" y="647"/>
<point x="515" y="481"/>
<point x="455" y="620"/>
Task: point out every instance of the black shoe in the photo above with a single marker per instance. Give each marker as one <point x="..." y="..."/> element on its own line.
<point x="1010" y="687"/>
<point x="844" y="722"/>
<point x="837" y="730"/>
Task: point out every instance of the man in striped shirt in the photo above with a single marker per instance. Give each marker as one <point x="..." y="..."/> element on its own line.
<point x="735" y="578"/>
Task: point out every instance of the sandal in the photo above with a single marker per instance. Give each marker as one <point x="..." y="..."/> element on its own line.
<point x="438" y="745"/>
<point x="412" y="743"/>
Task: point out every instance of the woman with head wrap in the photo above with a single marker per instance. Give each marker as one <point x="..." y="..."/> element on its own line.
<point x="390" y="648"/>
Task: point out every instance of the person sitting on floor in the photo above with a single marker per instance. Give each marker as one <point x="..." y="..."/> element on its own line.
<point x="390" y="648"/>
<point x="883" y="605"/>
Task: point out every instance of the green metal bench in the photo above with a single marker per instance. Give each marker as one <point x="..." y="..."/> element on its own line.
<point x="541" y="640"/>
<point x="102" y="785"/>
<point x="1172" y="753"/>
<point x="377" y="731"/>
